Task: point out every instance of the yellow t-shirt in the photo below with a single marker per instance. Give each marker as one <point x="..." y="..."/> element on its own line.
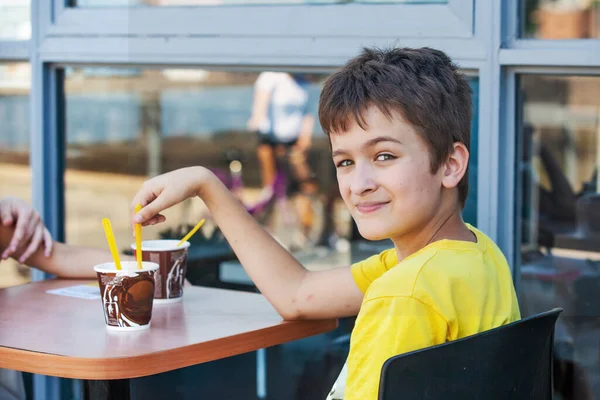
<point x="446" y="291"/>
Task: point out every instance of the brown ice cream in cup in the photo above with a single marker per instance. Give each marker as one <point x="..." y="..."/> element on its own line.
<point x="127" y="294"/>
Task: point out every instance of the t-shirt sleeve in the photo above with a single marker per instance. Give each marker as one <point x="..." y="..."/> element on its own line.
<point x="266" y="81"/>
<point x="366" y="271"/>
<point x="387" y="327"/>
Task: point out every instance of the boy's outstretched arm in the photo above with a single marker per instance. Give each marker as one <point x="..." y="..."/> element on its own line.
<point x="66" y="261"/>
<point x="292" y="290"/>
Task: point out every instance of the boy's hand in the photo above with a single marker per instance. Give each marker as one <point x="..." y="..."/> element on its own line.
<point x="29" y="228"/>
<point x="163" y="191"/>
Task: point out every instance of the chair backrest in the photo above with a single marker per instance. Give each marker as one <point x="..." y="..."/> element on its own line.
<point x="513" y="361"/>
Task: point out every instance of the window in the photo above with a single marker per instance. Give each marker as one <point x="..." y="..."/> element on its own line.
<point x="127" y="124"/>
<point x="124" y="125"/>
<point x="560" y="219"/>
<point x="561" y="19"/>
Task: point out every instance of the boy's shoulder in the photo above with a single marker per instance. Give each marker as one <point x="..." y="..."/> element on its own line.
<point x="439" y="265"/>
<point x="402" y="278"/>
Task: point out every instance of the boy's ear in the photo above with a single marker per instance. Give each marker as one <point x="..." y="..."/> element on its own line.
<point x="455" y="166"/>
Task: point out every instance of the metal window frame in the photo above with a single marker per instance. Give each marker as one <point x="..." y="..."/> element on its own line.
<point x="453" y="19"/>
<point x="14" y="50"/>
<point x="275" y="35"/>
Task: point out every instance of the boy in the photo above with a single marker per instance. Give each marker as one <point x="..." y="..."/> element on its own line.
<point x="399" y="126"/>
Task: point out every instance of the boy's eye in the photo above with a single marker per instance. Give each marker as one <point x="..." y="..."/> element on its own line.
<point x="384" y="157"/>
<point x="344" y="163"/>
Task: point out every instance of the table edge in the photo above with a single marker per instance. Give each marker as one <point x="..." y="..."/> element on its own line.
<point x="161" y="361"/>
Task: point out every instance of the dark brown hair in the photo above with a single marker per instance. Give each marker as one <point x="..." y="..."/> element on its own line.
<point x="423" y="85"/>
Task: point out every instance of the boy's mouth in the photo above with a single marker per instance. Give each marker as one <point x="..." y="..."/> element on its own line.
<point x="367" y="207"/>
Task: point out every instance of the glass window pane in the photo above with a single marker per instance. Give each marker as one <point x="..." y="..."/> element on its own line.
<point x="560" y="230"/>
<point x="126" y="124"/>
<point x="560" y="19"/>
<point x="171" y="3"/>
<point x="15" y="174"/>
<point x="15" y="21"/>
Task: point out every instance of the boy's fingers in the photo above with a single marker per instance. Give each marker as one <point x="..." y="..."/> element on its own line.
<point x="150" y="211"/>
<point x="143" y="197"/>
<point x="137" y="200"/>
<point x="157" y="219"/>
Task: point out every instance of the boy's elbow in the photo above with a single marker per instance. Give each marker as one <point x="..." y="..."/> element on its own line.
<point x="291" y="312"/>
<point x="289" y="316"/>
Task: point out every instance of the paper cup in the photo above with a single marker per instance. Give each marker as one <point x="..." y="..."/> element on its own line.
<point x="172" y="259"/>
<point x="127" y="294"/>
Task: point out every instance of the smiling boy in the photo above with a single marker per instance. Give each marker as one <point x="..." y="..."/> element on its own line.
<point x="398" y="122"/>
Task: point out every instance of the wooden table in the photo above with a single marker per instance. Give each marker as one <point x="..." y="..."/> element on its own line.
<point x="66" y="337"/>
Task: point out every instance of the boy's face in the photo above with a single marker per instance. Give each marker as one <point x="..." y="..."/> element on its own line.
<point x="385" y="178"/>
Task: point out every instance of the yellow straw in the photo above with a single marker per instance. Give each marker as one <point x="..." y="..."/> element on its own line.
<point x="110" y="237"/>
<point x="190" y="233"/>
<point x="138" y="239"/>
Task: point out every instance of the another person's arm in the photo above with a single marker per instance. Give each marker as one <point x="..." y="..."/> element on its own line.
<point x="294" y="292"/>
<point x="66" y="261"/>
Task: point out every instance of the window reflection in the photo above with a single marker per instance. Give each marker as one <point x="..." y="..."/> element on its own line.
<point x="15" y="175"/>
<point x="560" y="246"/>
<point x="127" y="124"/>
<point x="124" y="125"/>
<point x="561" y="19"/>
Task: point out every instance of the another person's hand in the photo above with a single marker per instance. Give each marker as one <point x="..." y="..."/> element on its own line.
<point x="29" y="228"/>
<point x="163" y="191"/>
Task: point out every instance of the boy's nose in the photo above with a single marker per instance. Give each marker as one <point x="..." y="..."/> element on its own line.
<point x="362" y="180"/>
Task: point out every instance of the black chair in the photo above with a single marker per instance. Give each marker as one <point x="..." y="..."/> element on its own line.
<point x="513" y="361"/>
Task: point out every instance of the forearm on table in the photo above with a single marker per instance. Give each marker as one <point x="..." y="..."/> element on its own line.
<point x="66" y="261"/>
